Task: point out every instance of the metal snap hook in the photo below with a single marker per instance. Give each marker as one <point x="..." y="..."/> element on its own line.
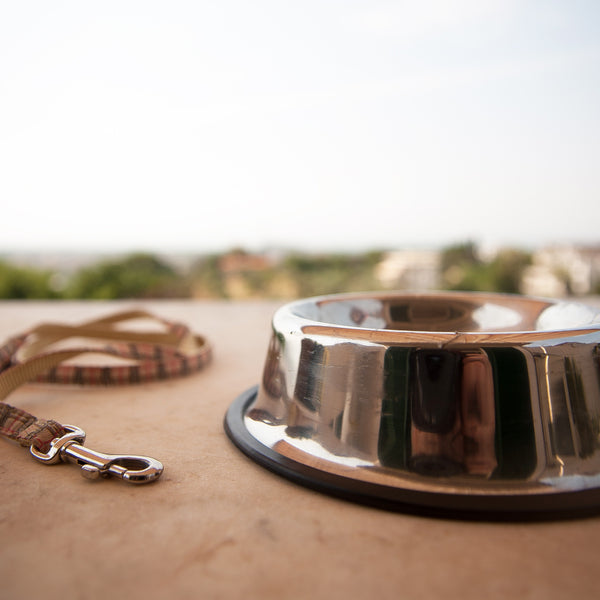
<point x="70" y="448"/>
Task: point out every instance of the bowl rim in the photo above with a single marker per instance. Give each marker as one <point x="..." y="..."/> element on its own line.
<point x="290" y="315"/>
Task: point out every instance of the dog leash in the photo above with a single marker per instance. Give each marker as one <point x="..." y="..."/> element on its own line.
<point x="152" y="356"/>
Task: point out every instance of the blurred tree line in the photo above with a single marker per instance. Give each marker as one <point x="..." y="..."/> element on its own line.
<point x="238" y="274"/>
<point x="21" y="283"/>
<point x="464" y="270"/>
<point x="235" y="274"/>
<point x="135" y="276"/>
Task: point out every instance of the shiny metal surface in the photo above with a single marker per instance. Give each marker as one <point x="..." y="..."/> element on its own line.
<point x="465" y="395"/>
<point x="94" y="464"/>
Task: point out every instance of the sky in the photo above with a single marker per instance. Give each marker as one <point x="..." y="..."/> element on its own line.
<point x="314" y="125"/>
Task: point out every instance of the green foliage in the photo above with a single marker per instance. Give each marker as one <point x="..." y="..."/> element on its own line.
<point x="334" y="273"/>
<point x="507" y="269"/>
<point x="19" y="283"/>
<point x="461" y="255"/>
<point x="464" y="271"/>
<point x="136" y="276"/>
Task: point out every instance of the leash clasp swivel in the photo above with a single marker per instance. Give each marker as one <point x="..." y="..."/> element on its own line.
<point x="70" y="448"/>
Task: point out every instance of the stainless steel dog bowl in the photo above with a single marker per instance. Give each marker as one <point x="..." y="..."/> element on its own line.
<point x="472" y="403"/>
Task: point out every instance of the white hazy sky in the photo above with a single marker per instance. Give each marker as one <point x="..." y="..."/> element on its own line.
<point x="313" y="124"/>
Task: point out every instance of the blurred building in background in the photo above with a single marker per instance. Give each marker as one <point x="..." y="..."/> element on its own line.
<point x="410" y="270"/>
<point x="559" y="271"/>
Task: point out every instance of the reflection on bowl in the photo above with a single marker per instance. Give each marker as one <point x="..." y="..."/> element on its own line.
<point x="459" y="400"/>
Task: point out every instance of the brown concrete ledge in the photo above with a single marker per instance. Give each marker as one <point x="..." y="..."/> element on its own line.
<point x="219" y="526"/>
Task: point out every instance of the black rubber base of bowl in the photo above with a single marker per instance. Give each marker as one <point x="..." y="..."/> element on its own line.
<point x="490" y="507"/>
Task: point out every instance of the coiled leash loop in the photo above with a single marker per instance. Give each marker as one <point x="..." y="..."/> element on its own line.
<point x="152" y="356"/>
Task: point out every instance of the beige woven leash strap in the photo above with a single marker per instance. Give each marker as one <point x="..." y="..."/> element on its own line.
<point x="151" y="356"/>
